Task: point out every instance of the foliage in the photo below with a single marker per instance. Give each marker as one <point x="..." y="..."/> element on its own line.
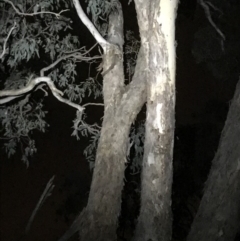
<point x="99" y="11"/>
<point x="131" y="52"/>
<point x="41" y="36"/>
<point x="90" y="150"/>
<point x="136" y="141"/>
<point x="48" y="37"/>
<point x="30" y="32"/>
<point x="83" y="89"/>
<point x="18" y="121"/>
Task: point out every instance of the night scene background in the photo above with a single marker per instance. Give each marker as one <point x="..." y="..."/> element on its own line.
<point x="204" y="89"/>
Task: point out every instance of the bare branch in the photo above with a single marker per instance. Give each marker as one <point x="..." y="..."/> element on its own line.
<point x="32" y="83"/>
<point x="103" y="42"/>
<point x="81" y="49"/>
<point x="100" y="104"/>
<point x="8" y="99"/>
<point x="12" y="94"/>
<point x="5" y="41"/>
<point x="74" y="55"/>
<point x="40" y="87"/>
<point x="90" y="49"/>
<point x="43" y="70"/>
<point x="33" y="14"/>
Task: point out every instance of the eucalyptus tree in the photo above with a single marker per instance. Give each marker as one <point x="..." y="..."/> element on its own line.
<point x="37" y="29"/>
<point x="157" y="31"/>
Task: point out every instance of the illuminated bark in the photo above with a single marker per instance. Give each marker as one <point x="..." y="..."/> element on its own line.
<point x="158" y="35"/>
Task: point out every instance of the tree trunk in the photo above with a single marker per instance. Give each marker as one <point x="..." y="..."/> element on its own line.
<point x="155" y="219"/>
<point x="218" y="216"/>
<point x="104" y="203"/>
<point x="99" y="220"/>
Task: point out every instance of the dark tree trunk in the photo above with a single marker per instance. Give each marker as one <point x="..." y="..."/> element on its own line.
<point x="218" y="216"/>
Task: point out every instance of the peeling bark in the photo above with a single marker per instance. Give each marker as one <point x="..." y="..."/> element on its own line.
<point x="218" y="216"/>
<point x="158" y="35"/>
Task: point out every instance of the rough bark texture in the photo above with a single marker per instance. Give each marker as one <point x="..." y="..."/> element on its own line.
<point x="157" y="33"/>
<point x="98" y="222"/>
<point x="218" y="216"/>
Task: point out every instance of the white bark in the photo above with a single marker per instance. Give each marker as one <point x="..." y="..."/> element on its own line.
<point x="86" y="21"/>
<point x="9" y="95"/>
<point x="158" y="37"/>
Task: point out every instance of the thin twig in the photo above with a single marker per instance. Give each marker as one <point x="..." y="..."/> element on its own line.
<point x="5" y="41"/>
<point x="90" y="49"/>
<point x="72" y="55"/>
<point x="100" y="104"/>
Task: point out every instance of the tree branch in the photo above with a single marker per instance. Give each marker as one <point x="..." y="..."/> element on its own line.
<point x="103" y="42"/>
<point x="74" y="55"/>
<point x="12" y="94"/>
<point x="99" y="104"/>
<point x="5" y="41"/>
<point x="32" y="83"/>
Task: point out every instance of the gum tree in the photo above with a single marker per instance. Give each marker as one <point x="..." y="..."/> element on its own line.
<point x="157" y="30"/>
<point x="34" y="30"/>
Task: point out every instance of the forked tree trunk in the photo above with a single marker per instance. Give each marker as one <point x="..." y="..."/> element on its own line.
<point x="218" y="216"/>
<point x="98" y="221"/>
<point x="155" y="219"/>
<point x="100" y="218"/>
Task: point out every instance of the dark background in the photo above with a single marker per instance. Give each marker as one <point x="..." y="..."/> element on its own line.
<point x="201" y="109"/>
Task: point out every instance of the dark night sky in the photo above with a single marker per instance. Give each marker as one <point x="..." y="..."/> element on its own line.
<point x="61" y="155"/>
